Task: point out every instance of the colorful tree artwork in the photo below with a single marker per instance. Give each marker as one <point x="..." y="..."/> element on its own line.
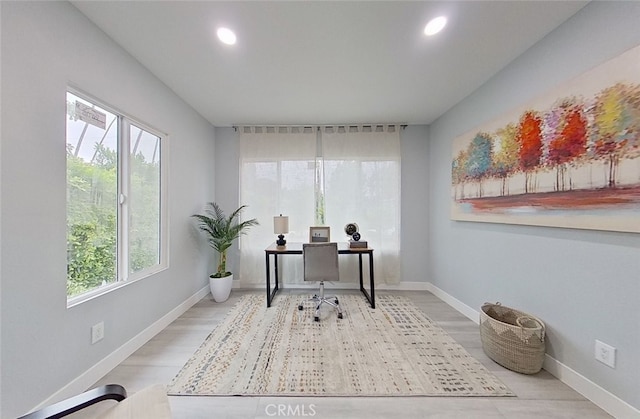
<point x="569" y="159"/>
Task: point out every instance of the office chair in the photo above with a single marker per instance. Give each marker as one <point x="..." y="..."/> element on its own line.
<point x="321" y="264"/>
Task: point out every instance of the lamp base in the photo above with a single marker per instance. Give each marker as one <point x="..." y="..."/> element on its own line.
<point x="281" y="241"/>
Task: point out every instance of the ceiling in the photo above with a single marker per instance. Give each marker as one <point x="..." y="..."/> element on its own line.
<point x="322" y="62"/>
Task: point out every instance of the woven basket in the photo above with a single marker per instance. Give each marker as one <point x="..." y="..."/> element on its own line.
<point x="512" y="338"/>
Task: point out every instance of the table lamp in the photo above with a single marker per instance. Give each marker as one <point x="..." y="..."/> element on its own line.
<point x="281" y="227"/>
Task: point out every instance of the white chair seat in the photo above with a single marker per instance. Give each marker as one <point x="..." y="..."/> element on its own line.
<point x="321" y="264"/>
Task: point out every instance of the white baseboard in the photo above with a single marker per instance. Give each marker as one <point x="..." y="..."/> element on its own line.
<point x="464" y="309"/>
<point x="607" y="401"/>
<point x="404" y="286"/>
<point x="602" y="398"/>
<point x="100" y="369"/>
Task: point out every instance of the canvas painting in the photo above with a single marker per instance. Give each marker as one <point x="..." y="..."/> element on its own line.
<point x="568" y="159"/>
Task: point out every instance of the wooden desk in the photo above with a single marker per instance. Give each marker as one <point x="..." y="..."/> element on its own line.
<point x="296" y="249"/>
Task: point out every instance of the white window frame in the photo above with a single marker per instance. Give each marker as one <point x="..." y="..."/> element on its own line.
<point x="123" y="277"/>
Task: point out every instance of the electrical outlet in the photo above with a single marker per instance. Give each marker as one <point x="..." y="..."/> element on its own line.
<point x="606" y="354"/>
<point x="97" y="332"/>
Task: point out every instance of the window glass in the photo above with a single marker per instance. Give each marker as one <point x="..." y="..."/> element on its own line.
<point x="144" y="200"/>
<point x="92" y="192"/>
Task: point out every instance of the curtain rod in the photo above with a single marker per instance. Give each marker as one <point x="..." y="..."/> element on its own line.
<point x="316" y="126"/>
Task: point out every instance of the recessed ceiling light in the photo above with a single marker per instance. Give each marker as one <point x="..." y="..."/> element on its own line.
<point x="435" y="25"/>
<point x="226" y="36"/>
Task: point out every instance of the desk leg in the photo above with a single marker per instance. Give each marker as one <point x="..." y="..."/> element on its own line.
<point x="369" y="297"/>
<point x="373" y="289"/>
<point x="277" y="277"/>
<point x="271" y="293"/>
<point x="268" y="281"/>
<point x="360" y="272"/>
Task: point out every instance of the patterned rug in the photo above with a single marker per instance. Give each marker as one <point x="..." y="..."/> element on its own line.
<point x="392" y="350"/>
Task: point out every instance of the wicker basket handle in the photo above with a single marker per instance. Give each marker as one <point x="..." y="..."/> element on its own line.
<point x="521" y="319"/>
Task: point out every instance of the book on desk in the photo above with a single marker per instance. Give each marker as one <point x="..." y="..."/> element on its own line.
<point x="357" y="244"/>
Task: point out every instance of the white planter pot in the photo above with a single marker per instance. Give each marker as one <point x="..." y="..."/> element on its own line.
<point x="220" y="288"/>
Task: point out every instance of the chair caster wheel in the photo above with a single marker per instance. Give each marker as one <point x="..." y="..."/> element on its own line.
<point x="300" y="307"/>
<point x="337" y="301"/>
<point x="339" y="315"/>
<point x="316" y="318"/>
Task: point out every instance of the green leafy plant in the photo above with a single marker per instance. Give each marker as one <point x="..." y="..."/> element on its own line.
<point x="92" y="221"/>
<point x="221" y="231"/>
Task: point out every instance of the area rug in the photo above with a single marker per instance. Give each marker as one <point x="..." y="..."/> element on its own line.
<point x="392" y="350"/>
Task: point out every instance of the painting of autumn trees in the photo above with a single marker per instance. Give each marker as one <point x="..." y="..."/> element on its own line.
<point x="574" y="163"/>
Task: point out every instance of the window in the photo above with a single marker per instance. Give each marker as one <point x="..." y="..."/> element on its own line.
<point x="115" y="211"/>
<point x="321" y="176"/>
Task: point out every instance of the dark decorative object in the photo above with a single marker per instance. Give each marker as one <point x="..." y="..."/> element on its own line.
<point x="281" y="227"/>
<point x="354" y="236"/>
<point x="351" y="228"/>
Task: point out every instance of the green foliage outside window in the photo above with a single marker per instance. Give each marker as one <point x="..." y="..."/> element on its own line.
<point x="144" y="217"/>
<point x="92" y="219"/>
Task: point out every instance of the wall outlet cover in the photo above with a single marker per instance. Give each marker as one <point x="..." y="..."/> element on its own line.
<point x="97" y="332"/>
<point x="605" y="354"/>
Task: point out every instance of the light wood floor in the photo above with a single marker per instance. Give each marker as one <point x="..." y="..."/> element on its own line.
<point x="158" y="361"/>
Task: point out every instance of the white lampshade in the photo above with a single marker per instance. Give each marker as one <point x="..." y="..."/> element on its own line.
<point x="281" y="224"/>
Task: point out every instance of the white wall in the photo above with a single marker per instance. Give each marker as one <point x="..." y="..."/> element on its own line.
<point x="414" y="236"/>
<point x="45" y="345"/>
<point x="584" y="284"/>
<point x="227" y="185"/>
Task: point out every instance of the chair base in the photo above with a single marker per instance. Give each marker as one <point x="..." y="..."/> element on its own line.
<point x="320" y="299"/>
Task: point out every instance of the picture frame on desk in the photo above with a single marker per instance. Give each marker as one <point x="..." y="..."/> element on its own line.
<point x="319" y="234"/>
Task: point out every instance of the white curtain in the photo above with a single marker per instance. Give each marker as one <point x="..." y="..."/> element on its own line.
<point x="276" y="177"/>
<point x="360" y="182"/>
<point x="362" y="186"/>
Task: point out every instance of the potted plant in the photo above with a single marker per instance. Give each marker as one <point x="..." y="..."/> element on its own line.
<point x="221" y="231"/>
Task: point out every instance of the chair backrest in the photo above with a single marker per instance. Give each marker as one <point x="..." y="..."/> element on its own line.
<point x="320" y="261"/>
